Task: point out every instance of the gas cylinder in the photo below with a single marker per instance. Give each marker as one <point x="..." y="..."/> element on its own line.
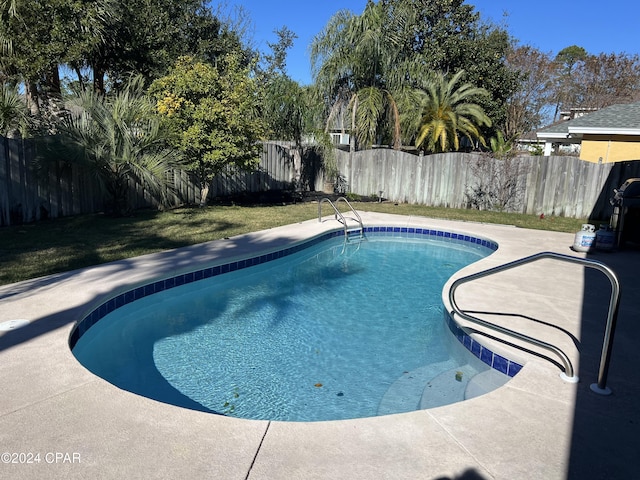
<point x="605" y="238"/>
<point x="585" y="239"/>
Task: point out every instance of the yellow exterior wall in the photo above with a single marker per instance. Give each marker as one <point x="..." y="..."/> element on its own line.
<point x="611" y="148"/>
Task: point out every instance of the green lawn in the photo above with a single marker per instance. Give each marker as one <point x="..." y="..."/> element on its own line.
<point x="34" y="250"/>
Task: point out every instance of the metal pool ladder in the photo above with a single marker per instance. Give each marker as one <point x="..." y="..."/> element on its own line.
<point x="568" y="374"/>
<point x="340" y="217"/>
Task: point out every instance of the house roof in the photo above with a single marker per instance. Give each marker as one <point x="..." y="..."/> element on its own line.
<point x="558" y="129"/>
<point x="621" y="119"/>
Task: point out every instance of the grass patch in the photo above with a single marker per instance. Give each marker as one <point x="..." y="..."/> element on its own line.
<point x="556" y="224"/>
<point x="44" y="248"/>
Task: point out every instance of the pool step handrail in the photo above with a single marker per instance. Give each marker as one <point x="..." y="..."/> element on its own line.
<point x="600" y="386"/>
<point x="339" y="216"/>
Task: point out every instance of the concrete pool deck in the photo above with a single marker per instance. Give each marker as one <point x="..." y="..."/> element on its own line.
<point x="71" y="424"/>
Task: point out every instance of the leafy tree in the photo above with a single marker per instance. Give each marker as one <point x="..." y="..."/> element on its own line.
<point x="276" y="61"/>
<point x="447" y="36"/>
<point x="527" y="107"/>
<point x="284" y="109"/>
<point x="569" y="57"/>
<point x="212" y="112"/>
<point x="148" y="37"/>
<point x="37" y="37"/>
<point x="566" y="60"/>
<point x="606" y="79"/>
<point x="292" y="112"/>
<point x="449" y="113"/>
<point x="368" y="66"/>
<point x="119" y="140"/>
<point x="284" y="101"/>
<point x="486" y="67"/>
<point x="573" y="79"/>
<point x="582" y="80"/>
<point x="29" y="50"/>
<point x="236" y="19"/>
<point x="111" y="39"/>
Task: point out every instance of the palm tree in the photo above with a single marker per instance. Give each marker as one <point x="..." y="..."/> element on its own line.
<point x="448" y="113"/>
<point x="350" y="58"/>
<point x="119" y="141"/>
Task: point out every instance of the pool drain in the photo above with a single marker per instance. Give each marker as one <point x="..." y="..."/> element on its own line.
<point x="13" y="324"/>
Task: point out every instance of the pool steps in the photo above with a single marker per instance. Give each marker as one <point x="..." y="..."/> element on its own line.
<point x="425" y="388"/>
<point x="485" y="382"/>
<point x="448" y="387"/>
<point x="405" y="393"/>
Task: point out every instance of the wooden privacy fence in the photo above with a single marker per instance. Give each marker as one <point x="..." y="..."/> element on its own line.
<point x="563" y="186"/>
<point x="65" y="190"/>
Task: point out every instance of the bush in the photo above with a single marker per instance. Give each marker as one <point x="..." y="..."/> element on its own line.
<point x="497" y="185"/>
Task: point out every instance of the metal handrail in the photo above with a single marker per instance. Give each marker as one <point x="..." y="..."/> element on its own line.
<point x="353" y="210"/>
<point x="605" y="357"/>
<point x="338" y="214"/>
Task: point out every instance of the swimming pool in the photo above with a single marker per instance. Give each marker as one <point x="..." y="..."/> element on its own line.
<point x="323" y="332"/>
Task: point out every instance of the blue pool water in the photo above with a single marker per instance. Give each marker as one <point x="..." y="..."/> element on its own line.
<point x="322" y="334"/>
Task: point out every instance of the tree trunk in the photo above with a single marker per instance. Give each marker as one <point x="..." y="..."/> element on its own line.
<point x="79" y="74"/>
<point x="98" y="79"/>
<point x="204" y="193"/>
<point x="352" y="131"/>
<point x="31" y="93"/>
<point x="54" y="90"/>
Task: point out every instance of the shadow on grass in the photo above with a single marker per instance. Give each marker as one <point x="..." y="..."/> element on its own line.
<point x="122" y="275"/>
<point x="61" y="245"/>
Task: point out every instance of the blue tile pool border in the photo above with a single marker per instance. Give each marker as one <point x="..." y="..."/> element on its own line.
<point x="484" y="354"/>
<point x="495" y="361"/>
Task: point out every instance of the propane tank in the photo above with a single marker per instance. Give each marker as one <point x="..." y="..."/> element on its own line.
<point x="585" y="239"/>
<point x="605" y="238"/>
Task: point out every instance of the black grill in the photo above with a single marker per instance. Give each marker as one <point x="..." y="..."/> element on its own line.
<point x="626" y="201"/>
<point x="628" y="195"/>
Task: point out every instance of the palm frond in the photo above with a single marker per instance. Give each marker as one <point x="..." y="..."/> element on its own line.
<point x="368" y="114"/>
<point x="119" y="141"/>
<point x="13" y="111"/>
<point x="450" y="109"/>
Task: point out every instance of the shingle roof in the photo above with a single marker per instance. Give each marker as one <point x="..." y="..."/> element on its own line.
<point x="615" y="117"/>
<point x="557" y="127"/>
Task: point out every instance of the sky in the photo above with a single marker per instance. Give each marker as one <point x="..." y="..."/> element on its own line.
<point x="599" y="27"/>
